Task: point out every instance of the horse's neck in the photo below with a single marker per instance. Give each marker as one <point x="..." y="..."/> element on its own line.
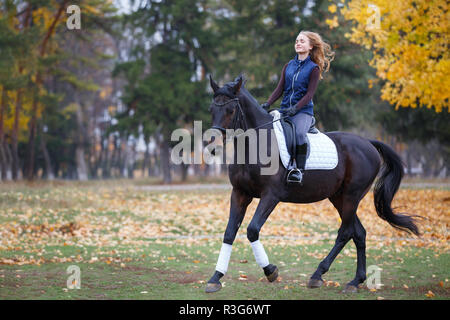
<point x="254" y="115"/>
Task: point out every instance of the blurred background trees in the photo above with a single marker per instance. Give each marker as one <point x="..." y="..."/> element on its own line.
<point x="101" y="101"/>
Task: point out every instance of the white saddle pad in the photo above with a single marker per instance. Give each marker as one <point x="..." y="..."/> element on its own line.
<point x="323" y="153"/>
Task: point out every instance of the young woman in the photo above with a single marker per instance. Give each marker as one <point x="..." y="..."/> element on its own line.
<point x="298" y="83"/>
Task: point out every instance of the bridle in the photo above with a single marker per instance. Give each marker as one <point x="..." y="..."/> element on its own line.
<point x="239" y="118"/>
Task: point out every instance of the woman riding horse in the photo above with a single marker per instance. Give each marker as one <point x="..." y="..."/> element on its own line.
<point x="345" y="186"/>
<point x="298" y="83"/>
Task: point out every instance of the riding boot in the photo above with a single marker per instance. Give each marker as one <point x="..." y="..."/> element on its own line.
<point x="296" y="174"/>
<point x="300" y="158"/>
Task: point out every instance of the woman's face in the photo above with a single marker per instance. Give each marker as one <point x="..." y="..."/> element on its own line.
<point x="302" y="44"/>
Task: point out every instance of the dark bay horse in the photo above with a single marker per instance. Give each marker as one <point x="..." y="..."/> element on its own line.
<point x="359" y="162"/>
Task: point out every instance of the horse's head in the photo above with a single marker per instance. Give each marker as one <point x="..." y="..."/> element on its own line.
<point x="225" y="105"/>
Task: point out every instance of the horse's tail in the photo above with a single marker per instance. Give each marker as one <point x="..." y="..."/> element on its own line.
<point x="386" y="187"/>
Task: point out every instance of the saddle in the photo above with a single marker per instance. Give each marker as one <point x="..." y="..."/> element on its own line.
<point x="290" y="136"/>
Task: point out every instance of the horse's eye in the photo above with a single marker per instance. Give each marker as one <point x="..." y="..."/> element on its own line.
<point x="230" y="110"/>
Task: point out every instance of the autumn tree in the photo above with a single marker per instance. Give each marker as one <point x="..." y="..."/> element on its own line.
<point x="165" y="78"/>
<point x="33" y="34"/>
<point x="409" y="41"/>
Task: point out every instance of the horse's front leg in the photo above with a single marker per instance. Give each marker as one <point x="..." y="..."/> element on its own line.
<point x="239" y="204"/>
<point x="264" y="209"/>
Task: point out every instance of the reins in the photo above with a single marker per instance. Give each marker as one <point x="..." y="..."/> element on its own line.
<point x="240" y="116"/>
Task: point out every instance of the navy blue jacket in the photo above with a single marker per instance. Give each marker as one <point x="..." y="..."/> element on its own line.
<point x="296" y="82"/>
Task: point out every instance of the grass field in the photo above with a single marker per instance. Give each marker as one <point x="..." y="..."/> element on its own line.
<point x="134" y="242"/>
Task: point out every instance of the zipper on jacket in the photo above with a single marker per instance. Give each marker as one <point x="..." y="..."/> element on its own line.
<point x="293" y="82"/>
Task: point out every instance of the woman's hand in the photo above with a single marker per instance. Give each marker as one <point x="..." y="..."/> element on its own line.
<point x="265" y="106"/>
<point x="289" y="111"/>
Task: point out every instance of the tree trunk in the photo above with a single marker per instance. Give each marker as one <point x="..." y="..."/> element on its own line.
<point x="48" y="164"/>
<point x="82" y="170"/>
<point x="105" y="163"/>
<point x="408" y="162"/>
<point x="14" y="136"/>
<point x="97" y="160"/>
<point x="184" y="171"/>
<point x="115" y="154"/>
<point x="8" y="159"/>
<point x="29" y="169"/>
<point x="130" y="156"/>
<point x="165" y="160"/>
<point x="3" y="163"/>
<point x="146" y="164"/>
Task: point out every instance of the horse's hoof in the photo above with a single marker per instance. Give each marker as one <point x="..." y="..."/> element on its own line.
<point x="350" y="289"/>
<point x="213" y="287"/>
<point x="315" y="283"/>
<point x="273" y="276"/>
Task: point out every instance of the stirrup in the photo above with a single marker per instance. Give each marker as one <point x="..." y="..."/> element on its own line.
<point x="295" y="181"/>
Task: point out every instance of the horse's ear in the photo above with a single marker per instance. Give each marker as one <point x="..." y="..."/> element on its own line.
<point x="214" y="85"/>
<point x="238" y="84"/>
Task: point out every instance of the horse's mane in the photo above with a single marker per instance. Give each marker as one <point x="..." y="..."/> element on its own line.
<point x="248" y="95"/>
<point x="227" y="90"/>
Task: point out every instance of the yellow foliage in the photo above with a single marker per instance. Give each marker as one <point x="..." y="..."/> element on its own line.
<point x="10" y="113"/>
<point x="333" y="23"/>
<point x="43" y="16"/>
<point x="332" y="8"/>
<point x="45" y="21"/>
<point x="409" y="40"/>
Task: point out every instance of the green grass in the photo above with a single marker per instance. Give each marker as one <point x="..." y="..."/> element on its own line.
<point x="167" y="270"/>
<point x="178" y="265"/>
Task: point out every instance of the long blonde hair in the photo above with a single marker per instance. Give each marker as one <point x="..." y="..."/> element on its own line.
<point x="321" y="52"/>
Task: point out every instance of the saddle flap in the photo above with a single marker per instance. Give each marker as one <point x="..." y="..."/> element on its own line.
<point x="322" y="153"/>
<point x="290" y="135"/>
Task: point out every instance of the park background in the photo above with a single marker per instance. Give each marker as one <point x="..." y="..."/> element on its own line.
<point x="101" y="101"/>
<point x="86" y="116"/>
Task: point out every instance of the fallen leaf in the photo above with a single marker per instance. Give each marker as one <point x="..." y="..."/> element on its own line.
<point x="430" y="294"/>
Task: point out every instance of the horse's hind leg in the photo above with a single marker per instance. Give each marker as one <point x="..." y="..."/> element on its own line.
<point x="359" y="238"/>
<point x="347" y="211"/>
<point x="351" y="228"/>
<point x="238" y="206"/>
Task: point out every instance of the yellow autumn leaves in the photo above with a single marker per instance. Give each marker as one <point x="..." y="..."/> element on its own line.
<point x="128" y="216"/>
<point x="409" y="40"/>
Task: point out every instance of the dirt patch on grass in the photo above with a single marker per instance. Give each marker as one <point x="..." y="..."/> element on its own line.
<point x="166" y="274"/>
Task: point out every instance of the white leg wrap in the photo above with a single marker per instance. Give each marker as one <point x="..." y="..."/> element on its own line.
<point x="260" y="255"/>
<point x="224" y="258"/>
